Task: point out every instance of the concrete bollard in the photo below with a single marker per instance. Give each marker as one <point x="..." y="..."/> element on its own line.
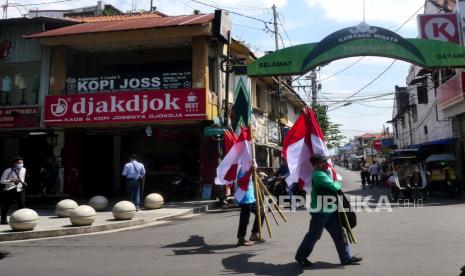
<point x="24" y="220"/>
<point x="83" y="215"/>
<point x="124" y="210"/>
<point x="64" y="207"/>
<point x="153" y="201"/>
<point x="99" y="203"/>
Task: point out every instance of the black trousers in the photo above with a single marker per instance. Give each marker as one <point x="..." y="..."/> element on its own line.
<point x="374" y="179"/>
<point x="8" y="198"/>
<point x="246" y="209"/>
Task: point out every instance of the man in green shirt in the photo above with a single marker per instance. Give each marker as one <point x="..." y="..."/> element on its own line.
<point x="323" y="209"/>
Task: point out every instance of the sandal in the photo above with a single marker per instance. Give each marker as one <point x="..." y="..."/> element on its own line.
<point x="256" y="238"/>
<point x="244" y="242"/>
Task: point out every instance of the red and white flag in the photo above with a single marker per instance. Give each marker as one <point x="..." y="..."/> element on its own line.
<point x="303" y="140"/>
<point x="237" y="164"/>
<point x="230" y="138"/>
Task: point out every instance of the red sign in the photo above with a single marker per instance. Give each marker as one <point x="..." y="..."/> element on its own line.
<point x="19" y="117"/>
<point x="377" y="145"/>
<point x="123" y="107"/>
<point x="452" y="91"/>
<point x="444" y="27"/>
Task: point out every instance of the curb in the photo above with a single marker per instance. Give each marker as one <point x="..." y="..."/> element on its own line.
<point x="17" y="236"/>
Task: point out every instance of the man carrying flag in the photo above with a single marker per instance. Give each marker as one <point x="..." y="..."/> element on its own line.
<point x="237" y="166"/>
<point x="305" y="150"/>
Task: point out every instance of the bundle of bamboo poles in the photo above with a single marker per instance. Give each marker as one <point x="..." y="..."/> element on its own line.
<point x="343" y="216"/>
<point x="261" y="192"/>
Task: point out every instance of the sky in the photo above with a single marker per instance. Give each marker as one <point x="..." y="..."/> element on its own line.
<point x="305" y="21"/>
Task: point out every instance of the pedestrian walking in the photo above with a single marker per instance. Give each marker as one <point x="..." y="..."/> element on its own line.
<point x="134" y="172"/>
<point x="365" y="175"/>
<point x="14" y="184"/>
<point x="248" y="205"/>
<point x="324" y="218"/>
<point x="374" y="172"/>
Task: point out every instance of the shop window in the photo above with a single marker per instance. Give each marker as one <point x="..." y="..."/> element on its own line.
<point x="446" y="74"/>
<point x="19" y="84"/>
<point x="422" y="93"/>
<point x="261" y="98"/>
<point x="414" y="113"/>
<point x="425" y="130"/>
<point x="435" y="78"/>
<point x="212" y="74"/>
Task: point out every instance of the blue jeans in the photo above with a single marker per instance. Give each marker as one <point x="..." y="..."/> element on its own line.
<point x="320" y="221"/>
<point x="133" y="191"/>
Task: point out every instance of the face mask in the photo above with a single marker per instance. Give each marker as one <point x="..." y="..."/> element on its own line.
<point x="19" y="166"/>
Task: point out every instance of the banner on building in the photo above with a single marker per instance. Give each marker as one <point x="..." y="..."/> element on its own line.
<point x="129" y="82"/>
<point x="242" y="100"/>
<point x="452" y="91"/>
<point x="125" y="107"/>
<point x="19" y="117"/>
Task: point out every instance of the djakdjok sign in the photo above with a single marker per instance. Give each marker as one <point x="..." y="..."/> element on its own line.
<point x="129" y="82"/>
<point x="124" y="107"/>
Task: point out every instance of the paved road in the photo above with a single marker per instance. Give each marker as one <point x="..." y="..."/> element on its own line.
<point x="407" y="241"/>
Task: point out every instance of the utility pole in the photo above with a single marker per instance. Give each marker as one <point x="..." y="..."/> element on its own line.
<point x="275" y="23"/>
<point x="314" y="88"/>
<point x="227" y="70"/>
<point x="5" y="10"/>
<point x="276" y="41"/>
<point x="151" y="5"/>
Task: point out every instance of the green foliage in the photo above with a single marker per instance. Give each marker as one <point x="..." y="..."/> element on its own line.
<point x="332" y="131"/>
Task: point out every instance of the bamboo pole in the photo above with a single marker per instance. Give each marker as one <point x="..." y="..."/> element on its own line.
<point x="272" y="198"/>
<point x="349" y="230"/>
<point x="271" y="210"/>
<point x="255" y="183"/>
<point x="260" y="198"/>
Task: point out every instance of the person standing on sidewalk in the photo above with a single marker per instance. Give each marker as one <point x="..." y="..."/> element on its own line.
<point x="324" y="217"/>
<point x="13" y="180"/>
<point x="134" y="172"/>
<point x="374" y="172"/>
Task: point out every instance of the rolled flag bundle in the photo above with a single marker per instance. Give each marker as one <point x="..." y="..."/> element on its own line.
<point x="303" y="140"/>
<point x="237" y="164"/>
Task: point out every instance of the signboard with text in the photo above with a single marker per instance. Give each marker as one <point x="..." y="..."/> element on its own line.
<point x="125" y="107"/>
<point x="443" y="27"/>
<point x="19" y="117"/>
<point x="129" y="82"/>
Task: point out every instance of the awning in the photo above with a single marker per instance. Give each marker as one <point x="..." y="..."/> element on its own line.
<point x="440" y="157"/>
<point x="126" y="25"/>
<point x="447" y="141"/>
<point x="417" y="80"/>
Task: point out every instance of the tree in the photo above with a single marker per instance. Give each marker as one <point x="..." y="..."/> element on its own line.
<point x="332" y="131"/>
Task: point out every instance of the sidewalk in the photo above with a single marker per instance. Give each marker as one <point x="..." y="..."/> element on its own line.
<point x="50" y="225"/>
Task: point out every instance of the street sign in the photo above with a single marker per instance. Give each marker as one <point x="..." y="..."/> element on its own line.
<point x="443" y="27"/>
<point x="213" y="131"/>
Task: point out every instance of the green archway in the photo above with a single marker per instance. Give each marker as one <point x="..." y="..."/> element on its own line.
<point x="361" y="40"/>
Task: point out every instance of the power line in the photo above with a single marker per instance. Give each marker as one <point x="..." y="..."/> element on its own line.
<point x="235" y="6"/>
<point x="368" y="84"/>
<point x="249" y="27"/>
<point x="39" y="4"/>
<point x="232" y="12"/>
<point x="360" y="59"/>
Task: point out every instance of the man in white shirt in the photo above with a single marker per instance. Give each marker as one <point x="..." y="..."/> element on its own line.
<point x="374" y="171"/>
<point x="13" y="187"/>
<point x="134" y="172"/>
